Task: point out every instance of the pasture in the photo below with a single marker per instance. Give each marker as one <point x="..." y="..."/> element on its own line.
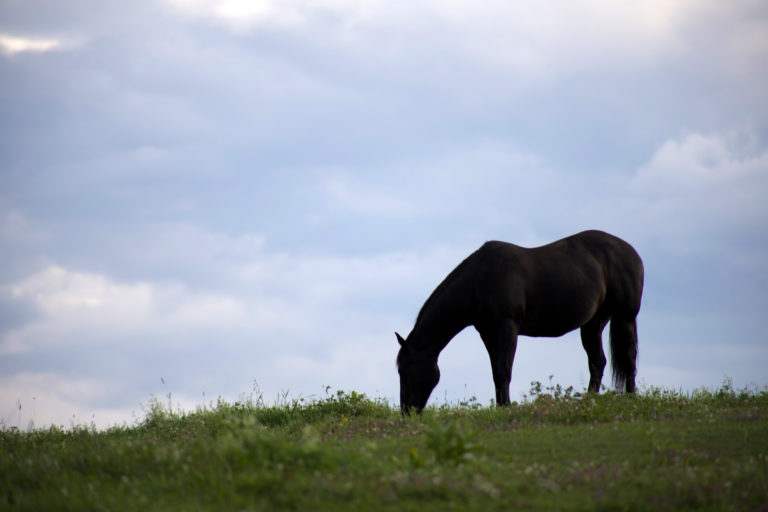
<point x="555" y="450"/>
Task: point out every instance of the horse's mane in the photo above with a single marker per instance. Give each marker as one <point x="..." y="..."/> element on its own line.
<point x="443" y="286"/>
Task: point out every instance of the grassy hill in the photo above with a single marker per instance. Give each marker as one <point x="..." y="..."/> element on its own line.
<point x="557" y="450"/>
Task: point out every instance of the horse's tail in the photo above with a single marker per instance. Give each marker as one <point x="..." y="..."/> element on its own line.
<point x="624" y="352"/>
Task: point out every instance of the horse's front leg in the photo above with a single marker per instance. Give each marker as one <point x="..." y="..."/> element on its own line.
<point x="500" y="341"/>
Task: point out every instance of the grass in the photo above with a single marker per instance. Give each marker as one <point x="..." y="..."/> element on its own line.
<point x="556" y="450"/>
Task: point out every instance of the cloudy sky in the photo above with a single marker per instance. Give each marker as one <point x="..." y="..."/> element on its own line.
<point x="204" y="198"/>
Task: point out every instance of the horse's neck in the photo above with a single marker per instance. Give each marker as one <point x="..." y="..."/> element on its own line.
<point x="441" y="321"/>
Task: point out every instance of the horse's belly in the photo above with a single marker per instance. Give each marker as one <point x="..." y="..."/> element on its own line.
<point x="560" y="315"/>
<point x="547" y="331"/>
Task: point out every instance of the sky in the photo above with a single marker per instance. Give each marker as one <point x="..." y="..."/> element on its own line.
<point x="230" y="198"/>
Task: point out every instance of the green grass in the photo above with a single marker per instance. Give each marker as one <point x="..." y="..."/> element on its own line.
<point x="557" y="450"/>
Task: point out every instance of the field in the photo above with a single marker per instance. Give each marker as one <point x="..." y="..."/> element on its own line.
<point x="555" y="450"/>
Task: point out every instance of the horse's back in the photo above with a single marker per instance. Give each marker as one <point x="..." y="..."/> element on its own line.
<point x="555" y="287"/>
<point x="579" y="250"/>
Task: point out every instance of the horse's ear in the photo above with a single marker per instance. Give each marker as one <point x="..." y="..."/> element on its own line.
<point x="400" y="339"/>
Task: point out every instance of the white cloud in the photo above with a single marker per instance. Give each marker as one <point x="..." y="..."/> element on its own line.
<point x="699" y="161"/>
<point x="242" y="14"/>
<point x="76" y="306"/>
<point x="78" y="309"/>
<point x="703" y="187"/>
<point x="12" y="45"/>
<point x="59" y="293"/>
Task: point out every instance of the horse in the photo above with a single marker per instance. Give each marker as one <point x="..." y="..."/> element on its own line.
<point x="504" y="290"/>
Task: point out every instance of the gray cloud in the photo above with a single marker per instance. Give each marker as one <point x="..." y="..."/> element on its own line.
<point x="216" y="194"/>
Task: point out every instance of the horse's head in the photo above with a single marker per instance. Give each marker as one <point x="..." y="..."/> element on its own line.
<point x="419" y="375"/>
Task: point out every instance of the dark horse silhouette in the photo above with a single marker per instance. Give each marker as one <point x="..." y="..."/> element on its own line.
<point x="504" y="290"/>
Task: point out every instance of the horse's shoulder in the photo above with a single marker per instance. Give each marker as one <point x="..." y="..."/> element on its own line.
<point x="495" y="256"/>
<point x="595" y="236"/>
<point x="496" y="247"/>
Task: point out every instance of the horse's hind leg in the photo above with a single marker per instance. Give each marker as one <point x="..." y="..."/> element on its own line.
<point x="592" y="341"/>
<point x="501" y="342"/>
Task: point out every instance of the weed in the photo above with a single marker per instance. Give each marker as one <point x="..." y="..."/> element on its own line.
<point x="451" y="442"/>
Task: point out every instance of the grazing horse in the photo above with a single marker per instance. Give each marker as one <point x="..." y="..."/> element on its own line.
<point x="504" y="290"/>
